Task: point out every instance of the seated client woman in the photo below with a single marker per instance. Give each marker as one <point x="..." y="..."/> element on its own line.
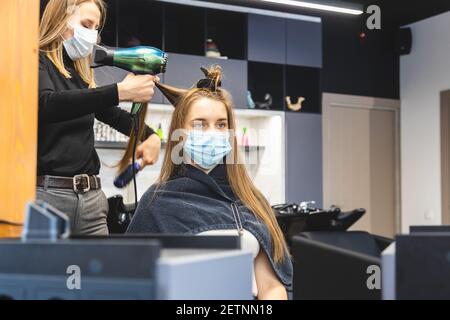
<point x="204" y="189"/>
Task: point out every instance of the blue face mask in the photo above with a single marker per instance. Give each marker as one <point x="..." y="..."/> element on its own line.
<point x="207" y="149"/>
<point x="81" y="44"/>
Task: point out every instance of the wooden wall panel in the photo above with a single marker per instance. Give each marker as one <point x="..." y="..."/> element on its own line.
<point x="19" y="21"/>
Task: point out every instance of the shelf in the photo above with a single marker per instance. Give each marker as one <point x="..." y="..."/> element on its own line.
<point x="228" y="30"/>
<point x="257" y="113"/>
<point x="116" y="145"/>
<point x="140" y="23"/>
<point x="239" y="112"/>
<point x="252" y="148"/>
<point x="110" y="145"/>
<point x="184" y="29"/>
<point x="267" y="78"/>
<point x="304" y="82"/>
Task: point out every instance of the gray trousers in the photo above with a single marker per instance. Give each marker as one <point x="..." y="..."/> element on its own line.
<point x="87" y="211"/>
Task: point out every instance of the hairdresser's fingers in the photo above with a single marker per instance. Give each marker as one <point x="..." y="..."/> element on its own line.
<point x="139" y="152"/>
<point x="151" y="80"/>
<point x="150" y="94"/>
<point x="157" y="79"/>
<point x="129" y="75"/>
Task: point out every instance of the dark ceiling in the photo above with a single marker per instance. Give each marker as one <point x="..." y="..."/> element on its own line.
<point x="403" y="12"/>
<point x="397" y="12"/>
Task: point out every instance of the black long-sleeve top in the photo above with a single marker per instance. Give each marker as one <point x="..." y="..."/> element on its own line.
<point x="67" y="108"/>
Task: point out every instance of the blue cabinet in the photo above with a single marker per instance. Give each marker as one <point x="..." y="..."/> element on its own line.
<point x="184" y="71"/>
<point x="303" y="43"/>
<point x="304" y="172"/>
<point x="266" y="39"/>
<point x="284" y="41"/>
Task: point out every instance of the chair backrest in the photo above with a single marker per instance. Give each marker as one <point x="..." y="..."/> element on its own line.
<point x="119" y="215"/>
<point x="357" y="241"/>
<point x="323" y="270"/>
<point x="422" y="266"/>
<point x="429" y="229"/>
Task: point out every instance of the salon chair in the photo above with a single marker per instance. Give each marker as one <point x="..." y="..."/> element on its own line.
<point x="119" y="215"/>
<point x="334" y="265"/>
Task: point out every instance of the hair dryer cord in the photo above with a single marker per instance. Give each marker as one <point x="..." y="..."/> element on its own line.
<point x="135" y="119"/>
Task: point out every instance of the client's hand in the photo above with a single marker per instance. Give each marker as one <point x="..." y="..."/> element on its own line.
<point x="148" y="151"/>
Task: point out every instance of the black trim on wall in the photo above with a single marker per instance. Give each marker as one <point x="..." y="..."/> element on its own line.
<point x="359" y="66"/>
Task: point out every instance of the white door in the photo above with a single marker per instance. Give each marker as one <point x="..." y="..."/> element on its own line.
<point x="445" y="156"/>
<point x="361" y="159"/>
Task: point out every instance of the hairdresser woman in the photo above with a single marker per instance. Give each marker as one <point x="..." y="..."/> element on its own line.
<point x="69" y="101"/>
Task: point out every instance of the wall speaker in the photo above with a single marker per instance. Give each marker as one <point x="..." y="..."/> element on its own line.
<point x="403" y="41"/>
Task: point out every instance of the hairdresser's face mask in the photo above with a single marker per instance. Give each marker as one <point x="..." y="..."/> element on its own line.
<point x="207" y="148"/>
<point x="82" y="43"/>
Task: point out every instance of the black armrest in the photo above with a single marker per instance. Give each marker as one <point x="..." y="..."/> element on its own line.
<point x="382" y="242"/>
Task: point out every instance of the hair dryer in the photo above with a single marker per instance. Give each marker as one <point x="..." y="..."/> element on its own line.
<point x="138" y="60"/>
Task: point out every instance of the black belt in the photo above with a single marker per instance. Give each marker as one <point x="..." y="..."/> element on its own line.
<point x="80" y="183"/>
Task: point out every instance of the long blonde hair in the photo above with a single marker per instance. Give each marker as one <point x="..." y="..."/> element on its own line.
<point x="237" y="176"/>
<point x="51" y="28"/>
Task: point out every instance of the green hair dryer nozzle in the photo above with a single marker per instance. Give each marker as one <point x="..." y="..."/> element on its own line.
<point x="139" y="60"/>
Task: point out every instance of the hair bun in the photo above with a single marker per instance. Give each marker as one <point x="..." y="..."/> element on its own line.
<point x="213" y="78"/>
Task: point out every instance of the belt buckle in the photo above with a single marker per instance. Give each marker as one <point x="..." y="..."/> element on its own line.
<point x="76" y="183"/>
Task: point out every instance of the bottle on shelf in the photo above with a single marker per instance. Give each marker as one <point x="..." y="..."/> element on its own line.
<point x="160" y="132"/>
<point x="244" y="139"/>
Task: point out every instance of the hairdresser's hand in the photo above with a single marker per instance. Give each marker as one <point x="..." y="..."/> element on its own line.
<point x="137" y="88"/>
<point x="148" y="151"/>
